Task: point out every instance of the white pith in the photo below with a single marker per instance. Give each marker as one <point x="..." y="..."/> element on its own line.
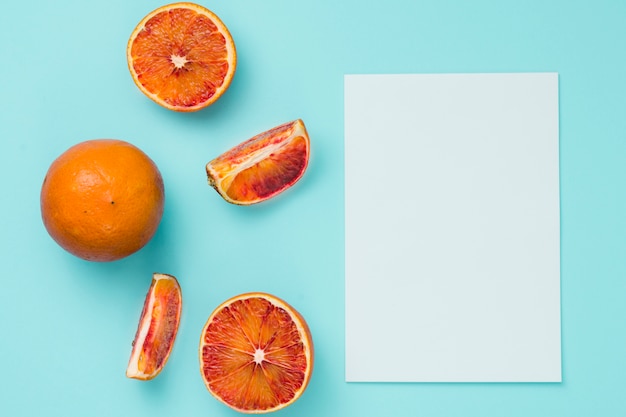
<point x="178" y="61"/>
<point x="259" y="356"/>
<point x="262" y="154"/>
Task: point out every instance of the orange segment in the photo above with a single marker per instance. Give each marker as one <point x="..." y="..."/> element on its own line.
<point x="256" y="353"/>
<point x="182" y="56"/>
<point x="157" y="328"/>
<point x="263" y="166"/>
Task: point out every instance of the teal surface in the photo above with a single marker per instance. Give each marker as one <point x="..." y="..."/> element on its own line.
<point x="66" y="325"/>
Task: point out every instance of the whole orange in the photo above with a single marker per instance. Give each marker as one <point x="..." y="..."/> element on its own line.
<point x="102" y="200"/>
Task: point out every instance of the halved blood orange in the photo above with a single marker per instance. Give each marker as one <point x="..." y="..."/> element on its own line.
<point x="256" y="353"/>
<point x="263" y="166"/>
<point x="157" y="328"/>
<point x="182" y="56"/>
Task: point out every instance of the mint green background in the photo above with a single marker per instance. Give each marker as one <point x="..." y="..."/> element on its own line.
<point x="66" y="325"/>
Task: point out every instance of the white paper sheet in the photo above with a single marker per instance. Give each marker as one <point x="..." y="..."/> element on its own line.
<point x="452" y="228"/>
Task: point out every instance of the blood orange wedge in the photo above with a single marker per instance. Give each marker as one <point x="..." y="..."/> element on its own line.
<point x="262" y="166"/>
<point x="182" y="56"/>
<point x="256" y="353"/>
<point x="157" y="328"/>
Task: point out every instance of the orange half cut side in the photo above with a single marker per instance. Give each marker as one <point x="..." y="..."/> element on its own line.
<point x="182" y="56"/>
<point x="263" y="166"/>
<point x="256" y="353"/>
<point x="157" y="328"/>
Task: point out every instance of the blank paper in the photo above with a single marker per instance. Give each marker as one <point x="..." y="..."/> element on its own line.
<point x="452" y="269"/>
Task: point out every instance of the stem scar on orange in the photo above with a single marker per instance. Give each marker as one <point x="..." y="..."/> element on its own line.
<point x="256" y="353"/>
<point x="263" y="166"/>
<point x="182" y="56"/>
<point x="102" y="199"/>
<point x="157" y="329"/>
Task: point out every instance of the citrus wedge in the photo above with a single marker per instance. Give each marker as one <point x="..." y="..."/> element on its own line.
<point x="157" y="328"/>
<point x="256" y="353"/>
<point x="263" y="166"/>
<point x="182" y="56"/>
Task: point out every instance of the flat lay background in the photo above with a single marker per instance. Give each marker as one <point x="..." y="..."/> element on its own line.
<point x="66" y="325"/>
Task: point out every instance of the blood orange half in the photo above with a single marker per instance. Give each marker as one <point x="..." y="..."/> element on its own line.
<point x="157" y="328"/>
<point x="256" y="353"/>
<point x="263" y="166"/>
<point x="182" y="56"/>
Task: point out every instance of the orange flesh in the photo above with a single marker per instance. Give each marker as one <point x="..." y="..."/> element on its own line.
<point x="253" y="357"/>
<point x="264" y="179"/>
<point x="163" y="320"/>
<point x="181" y="57"/>
<point x="263" y="166"/>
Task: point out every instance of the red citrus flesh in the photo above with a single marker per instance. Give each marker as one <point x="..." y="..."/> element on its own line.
<point x="256" y="353"/>
<point x="263" y="166"/>
<point x="157" y="328"/>
<point x="182" y="56"/>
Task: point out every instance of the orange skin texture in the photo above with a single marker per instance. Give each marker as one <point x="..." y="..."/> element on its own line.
<point x="102" y="200"/>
